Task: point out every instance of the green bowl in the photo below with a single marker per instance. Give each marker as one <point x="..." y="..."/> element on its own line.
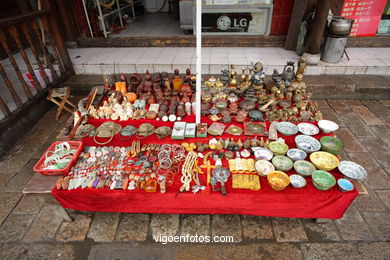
<point x="282" y="163"/>
<point x="331" y="145"/>
<point x="323" y="180"/>
<point x="278" y="148"/>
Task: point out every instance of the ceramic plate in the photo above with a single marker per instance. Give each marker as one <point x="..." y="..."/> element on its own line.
<point x="304" y="168"/>
<point x="327" y="126"/>
<point x="263" y="154"/>
<point x="297" y="181"/>
<point x="287" y="128"/>
<point x="345" y="185"/>
<point x="324" y="161"/>
<point x="352" y="170"/>
<point x="308" y="129"/>
<point x="263" y="168"/>
<point x="278" y="148"/>
<point x="296" y="154"/>
<point x="307" y="143"/>
<point x="282" y="163"/>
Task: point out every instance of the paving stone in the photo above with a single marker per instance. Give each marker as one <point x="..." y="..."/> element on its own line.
<point x="44" y="226"/>
<point x="383" y="132"/>
<point x="21" y="178"/>
<point x="195" y="225"/>
<point x="351" y="144"/>
<point x="255" y="227"/>
<point x="29" y="204"/>
<point x="7" y="203"/>
<point x="386" y="120"/>
<point x="376" y="107"/>
<point x="353" y="227"/>
<point x="14" y="228"/>
<point x="384" y="195"/>
<point x="18" y="160"/>
<point x="356" y="125"/>
<point x="367" y="115"/>
<point x="377" y="149"/>
<point x="280" y="251"/>
<point x="369" y="202"/>
<point x="337" y="251"/>
<point x="76" y="230"/>
<point x="322" y="104"/>
<point x="41" y="251"/>
<point x="364" y="159"/>
<point x="377" y="178"/>
<point x="226" y="225"/>
<point x="385" y="102"/>
<point x="133" y="227"/>
<point x="340" y="107"/>
<point x="344" y="155"/>
<point x="289" y="230"/>
<point x="329" y="114"/>
<point x="165" y="224"/>
<point x="353" y="102"/>
<point x="379" y="223"/>
<point x="321" y="232"/>
<point x="5" y="177"/>
<point x="103" y="227"/>
<point x="124" y="251"/>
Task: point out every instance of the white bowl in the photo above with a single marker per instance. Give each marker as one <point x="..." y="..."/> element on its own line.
<point x="297" y="181"/>
<point x="327" y="126"/>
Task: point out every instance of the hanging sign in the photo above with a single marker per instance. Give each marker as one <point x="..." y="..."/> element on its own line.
<point x="367" y="15"/>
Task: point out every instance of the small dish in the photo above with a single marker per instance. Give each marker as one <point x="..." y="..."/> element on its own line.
<point x="307" y="143"/>
<point x="324" y="161"/>
<point x="345" y="185"/>
<point x="282" y="163"/>
<point x="287" y="128"/>
<point x="327" y="126"/>
<point x="263" y="154"/>
<point x="297" y="181"/>
<point x="278" y="180"/>
<point x="263" y="167"/>
<point x="304" y="168"/>
<point x="323" y="180"/>
<point x="296" y="154"/>
<point x="331" y="145"/>
<point x="278" y="147"/>
<point x="308" y="129"/>
<point x="352" y="170"/>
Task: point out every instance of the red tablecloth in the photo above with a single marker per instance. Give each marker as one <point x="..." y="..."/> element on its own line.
<point x="307" y="202"/>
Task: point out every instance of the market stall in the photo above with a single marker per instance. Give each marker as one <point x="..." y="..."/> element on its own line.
<point x="262" y="148"/>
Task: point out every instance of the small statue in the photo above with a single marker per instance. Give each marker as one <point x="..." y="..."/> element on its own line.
<point x="258" y="73"/>
<point x="225" y="77"/>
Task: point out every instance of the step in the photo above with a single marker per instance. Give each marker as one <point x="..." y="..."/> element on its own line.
<point x="89" y="61"/>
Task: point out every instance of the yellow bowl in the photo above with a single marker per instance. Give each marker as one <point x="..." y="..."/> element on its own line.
<point x="278" y="180"/>
<point x="324" y="161"/>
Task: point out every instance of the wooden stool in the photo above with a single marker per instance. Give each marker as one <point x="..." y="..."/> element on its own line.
<point x="63" y="95"/>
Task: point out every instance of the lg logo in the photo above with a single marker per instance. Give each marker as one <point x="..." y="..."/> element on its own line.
<point x="224" y="22"/>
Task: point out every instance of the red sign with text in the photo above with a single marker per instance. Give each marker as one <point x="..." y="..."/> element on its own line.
<point x="367" y="15"/>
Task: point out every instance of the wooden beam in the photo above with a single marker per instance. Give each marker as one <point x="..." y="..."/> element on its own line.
<point x="317" y="29"/>
<point x="20" y="18"/>
<point x="295" y="24"/>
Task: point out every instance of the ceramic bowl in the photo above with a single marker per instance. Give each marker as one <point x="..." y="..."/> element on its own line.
<point x="282" y="163"/>
<point x="263" y="154"/>
<point x="308" y="129"/>
<point x="352" y="170"/>
<point x="345" y="185"/>
<point x="278" y="148"/>
<point x="324" y="161"/>
<point x="331" y="145"/>
<point x="296" y="154"/>
<point x="263" y="167"/>
<point x="297" y="181"/>
<point x="304" y="168"/>
<point x="327" y="126"/>
<point x="307" y="143"/>
<point x="287" y="128"/>
<point x="323" y="180"/>
<point x="278" y="180"/>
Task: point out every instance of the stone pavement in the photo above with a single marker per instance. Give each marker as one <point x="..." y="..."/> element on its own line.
<point x="29" y="228"/>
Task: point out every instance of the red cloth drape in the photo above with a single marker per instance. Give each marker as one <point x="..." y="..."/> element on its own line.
<point x="307" y="202"/>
